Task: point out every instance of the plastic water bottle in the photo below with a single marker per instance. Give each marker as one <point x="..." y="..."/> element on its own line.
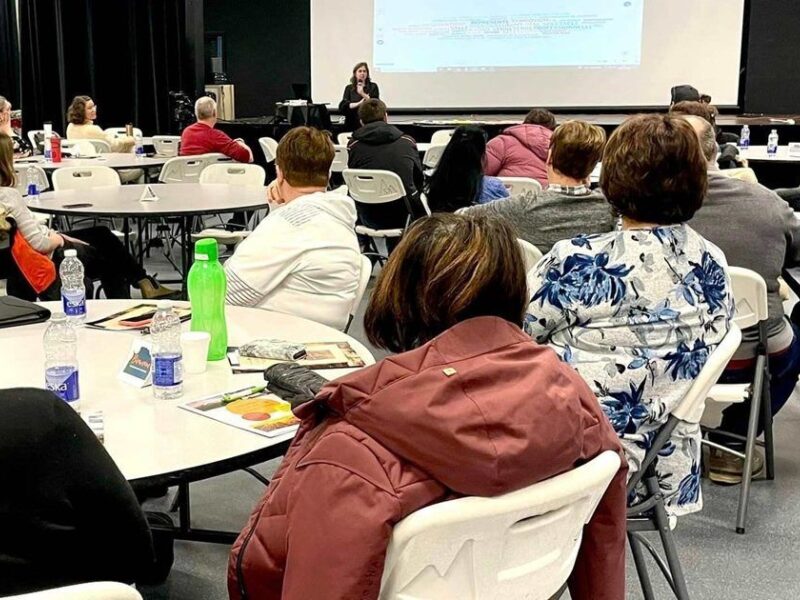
<point x="207" y="287"/>
<point x="33" y="188"/>
<point x="48" y="150"/>
<point x="167" y="353"/>
<point x="61" y="360"/>
<point x="744" y="137"/>
<point x="73" y="289"/>
<point x="138" y="146"/>
<point x="772" y="144"/>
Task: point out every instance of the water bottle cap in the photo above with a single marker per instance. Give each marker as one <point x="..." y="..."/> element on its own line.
<point x="70" y="253"/>
<point x="164" y="305"/>
<point x="206" y="249"/>
<point x="58" y="316"/>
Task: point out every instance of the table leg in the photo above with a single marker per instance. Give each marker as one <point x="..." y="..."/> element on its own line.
<point x="126" y="233"/>
<point x="185" y="531"/>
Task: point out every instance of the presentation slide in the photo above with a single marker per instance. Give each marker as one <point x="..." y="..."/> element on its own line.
<point x="417" y="36"/>
<point x="462" y="54"/>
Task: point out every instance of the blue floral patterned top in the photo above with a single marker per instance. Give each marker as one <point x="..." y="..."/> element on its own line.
<point x="636" y="313"/>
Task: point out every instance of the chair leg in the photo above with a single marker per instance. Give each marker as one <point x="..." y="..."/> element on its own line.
<point x="766" y="409"/>
<point x="641" y="567"/>
<point x="752" y="429"/>
<point x="668" y="542"/>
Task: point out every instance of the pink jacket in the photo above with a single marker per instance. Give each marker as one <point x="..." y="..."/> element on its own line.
<point x="520" y="151"/>
<point x="385" y="441"/>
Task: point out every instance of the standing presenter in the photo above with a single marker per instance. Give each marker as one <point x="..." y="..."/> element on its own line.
<point x="360" y="89"/>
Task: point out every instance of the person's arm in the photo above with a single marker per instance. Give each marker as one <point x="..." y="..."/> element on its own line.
<point x="495" y="150"/>
<point x="260" y="264"/>
<point x="238" y="151"/>
<point x="791" y="232"/>
<point x="345" y="104"/>
<point x="339" y="510"/>
<point x="117" y="545"/>
<point x="376" y="91"/>
<point x="39" y="236"/>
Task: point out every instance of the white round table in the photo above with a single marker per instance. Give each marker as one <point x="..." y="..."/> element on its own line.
<point x="155" y="442"/>
<point x="184" y="200"/>
<point x="114" y="160"/>
<point x="759" y="154"/>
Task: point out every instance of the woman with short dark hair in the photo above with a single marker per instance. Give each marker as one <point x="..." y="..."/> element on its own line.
<point x="521" y="150"/>
<point x="459" y="179"/>
<point x="360" y="89"/>
<point x="471" y="407"/>
<point x="638" y="311"/>
<point x="81" y="115"/>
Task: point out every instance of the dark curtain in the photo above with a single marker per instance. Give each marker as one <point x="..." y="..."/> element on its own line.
<point x="126" y="54"/>
<point x="9" y="53"/>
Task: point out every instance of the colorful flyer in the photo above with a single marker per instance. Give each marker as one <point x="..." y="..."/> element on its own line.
<point x="319" y="355"/>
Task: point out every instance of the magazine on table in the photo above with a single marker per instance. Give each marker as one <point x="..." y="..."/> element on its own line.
<point x="319" y="355"/>
<point x="252" y="408"/>
<point x="136" y="318"/>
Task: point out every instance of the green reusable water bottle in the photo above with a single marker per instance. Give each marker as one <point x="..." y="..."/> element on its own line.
<point x="207" y="287"/>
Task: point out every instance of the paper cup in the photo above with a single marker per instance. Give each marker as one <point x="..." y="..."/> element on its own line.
<point x="195" y="351"/>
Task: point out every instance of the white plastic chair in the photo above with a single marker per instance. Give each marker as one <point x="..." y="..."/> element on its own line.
<point x="81" y="178"/>
<point x="215" y="157"/>
<point x="78" y="148"/>
<point x="100" y="146"/>
<point x="442" y="137"/>
<point x="363" y="282"/>
<point x="32" y="135"/>
<point x="183" y="169"/>
<point x="269" y="147"/>
<point x="750" y="298"/>
<point x="433" y="155"/>
<point x="520" y="185"/>
<point x="531" y="253"/>
<point x="167" y="145"/>
<point x="648" y="513"/>
<point x="344" y="138"/>
<point x="121" y="131"/>
<point x="21" y="174"/>
<point x="101" y="590"/>
<point x="518" y="545"/>
<point x="340" y="159"/>
<point x="233" y="173"/>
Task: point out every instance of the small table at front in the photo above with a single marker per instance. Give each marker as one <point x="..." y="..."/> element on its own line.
<point x="154" y="442"/>
<point x="181" y="200"/>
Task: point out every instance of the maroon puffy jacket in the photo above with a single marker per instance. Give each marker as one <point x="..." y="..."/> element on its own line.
<point x="520" y="151"/>
<point x="480" y="410"/>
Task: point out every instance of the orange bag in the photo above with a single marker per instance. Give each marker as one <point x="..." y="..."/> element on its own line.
<point x="39" y="271"/>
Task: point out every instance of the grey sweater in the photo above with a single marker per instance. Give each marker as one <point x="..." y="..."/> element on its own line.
<point x="550" y="216"/>
<point x="757" y="230"/>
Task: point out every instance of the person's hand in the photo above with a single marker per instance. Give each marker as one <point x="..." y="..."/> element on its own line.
<point x="67" y="238"/>
<point x="274" y="194"/>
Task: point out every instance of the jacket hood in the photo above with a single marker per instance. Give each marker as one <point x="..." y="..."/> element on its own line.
<point x="475" y="408"/>
<point x="377" y="133"/>
<point x="534" y="137"/>
<point x="335" y="202"/>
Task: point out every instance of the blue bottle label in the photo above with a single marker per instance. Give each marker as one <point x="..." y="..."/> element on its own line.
<point x="167" y="370"/>
<point x="33" y="190"/>
<point x="63" y="381"/>
<point x="74" y="303"/>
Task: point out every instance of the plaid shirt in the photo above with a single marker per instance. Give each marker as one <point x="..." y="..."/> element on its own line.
<point x="578" y="190"/>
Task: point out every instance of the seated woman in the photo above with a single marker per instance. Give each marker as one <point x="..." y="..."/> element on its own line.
<point x="22" y="147"/>
<point x="459" y="181"/>
<point x="521" y="150"/>
<point x="66" y="512"/>
<point x="470" y="407"/>
<point x="637" y="312"/>
<point x="103" y="256"/>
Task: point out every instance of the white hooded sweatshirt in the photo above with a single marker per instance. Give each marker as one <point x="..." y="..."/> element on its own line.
<point x="303" y="259"/>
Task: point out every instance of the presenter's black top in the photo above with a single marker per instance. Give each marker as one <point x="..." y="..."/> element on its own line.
<point x="351" y="95"/>
<point x="67" y="515"/>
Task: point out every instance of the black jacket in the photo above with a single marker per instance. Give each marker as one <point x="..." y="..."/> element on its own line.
<point x="67" y="515"/>
<point x="350" y="95"/>
<point x="381" y="146"/>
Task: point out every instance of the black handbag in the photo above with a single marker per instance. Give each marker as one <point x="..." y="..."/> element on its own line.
<point x="15" y="312"/>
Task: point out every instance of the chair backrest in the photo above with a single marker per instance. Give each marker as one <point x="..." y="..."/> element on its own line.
<point x="100" y="146"/>
<point x="78" y="148"/>
<point x="121" y="131"/>
<point x="233" y="174"/>
<point x="269" y="146"/>
<point x="520" y="185"/>
<point x="519" y="545"/>
<point x="344" y="138"/>
<point x="433" y="155"/>
<point x="750" y="297"/>
<point x="36" y="138"/>
<point x="167" y="145"/>
<point x="340" y="158"/>
<point x="373" y="186"/>
<point x="183" y="169"/>
<point x="442" y="137"/>
<point x="531" y="253"/>
<point x="363" y="282"/>
<point x="21" y="173"/>
<point x="81" y="178"/>
<point x="423" y="199"/>
<point x="101" y="590"/>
